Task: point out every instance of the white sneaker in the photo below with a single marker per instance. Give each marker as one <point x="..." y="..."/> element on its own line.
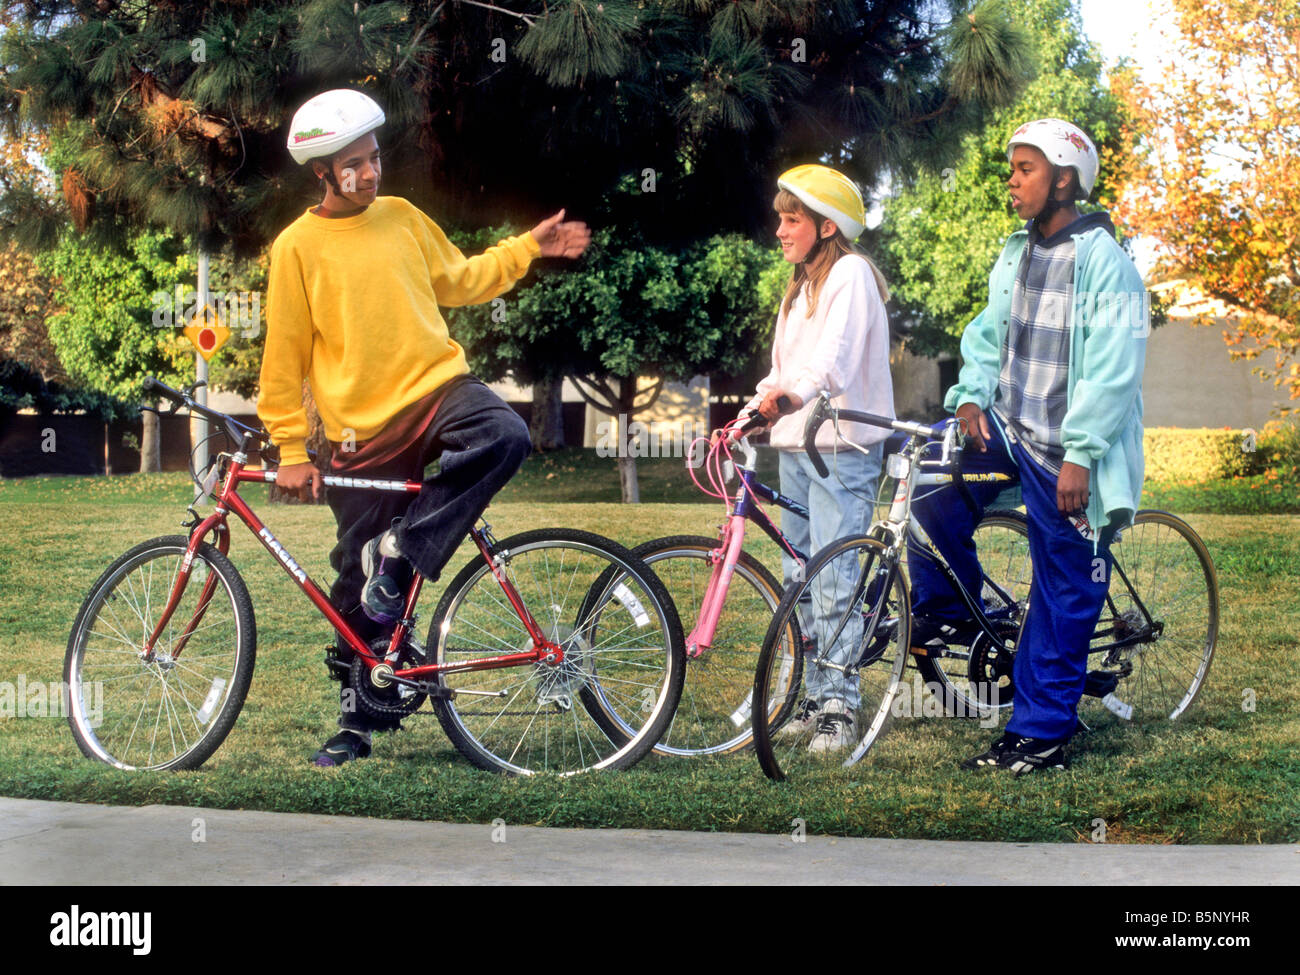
<point x="802" y="724"/>
<point x="835" y="729"/>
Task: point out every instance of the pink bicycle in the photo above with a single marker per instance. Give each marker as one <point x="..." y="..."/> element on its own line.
<point x="728" y="598"/>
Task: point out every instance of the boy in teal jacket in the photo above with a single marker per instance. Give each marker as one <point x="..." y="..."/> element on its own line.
<point x="1050" y="392"/>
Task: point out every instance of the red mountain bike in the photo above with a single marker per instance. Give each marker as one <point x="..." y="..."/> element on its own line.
<point x="553" y="651"/>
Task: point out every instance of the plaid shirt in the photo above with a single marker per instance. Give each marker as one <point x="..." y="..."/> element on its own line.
<point x="1031" y="397"/>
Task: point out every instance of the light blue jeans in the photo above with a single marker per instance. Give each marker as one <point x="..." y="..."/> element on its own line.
<point x="837" y="506"/>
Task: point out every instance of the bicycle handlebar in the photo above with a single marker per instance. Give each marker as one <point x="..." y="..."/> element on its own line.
<point x="238" y="432"/>
<point x="757" y="420"/>
<point x="821" y="413"/>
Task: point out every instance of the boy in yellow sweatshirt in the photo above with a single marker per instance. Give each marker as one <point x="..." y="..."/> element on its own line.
<point x="353" y="302"/>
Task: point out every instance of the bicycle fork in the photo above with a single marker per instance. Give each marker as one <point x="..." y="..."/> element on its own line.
<point x="725" y="558"/>
<point x="873" y="618"/>
<point x="218" y="525"/>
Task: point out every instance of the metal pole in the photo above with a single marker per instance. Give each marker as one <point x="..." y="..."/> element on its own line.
<point x="199" y="425"/>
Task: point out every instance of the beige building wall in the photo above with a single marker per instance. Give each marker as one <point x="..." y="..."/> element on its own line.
<point x="1190" y="380"/>
<point x="682" y="410"/>
<point x="918" y="390"/>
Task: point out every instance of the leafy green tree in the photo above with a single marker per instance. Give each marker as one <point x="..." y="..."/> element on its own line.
<point x="179" y="110"/>
<point x="176" y="113"/>
<point x="629" y="318"/>
<point x="943" y="230"/>
<point x="105" y="332"/>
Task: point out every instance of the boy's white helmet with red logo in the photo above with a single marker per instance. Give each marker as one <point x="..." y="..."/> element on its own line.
<point x="330" y="121"/>
<point x="1064" y="144"/>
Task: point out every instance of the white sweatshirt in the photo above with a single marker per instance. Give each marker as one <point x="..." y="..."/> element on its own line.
<point x="843" y="349"/>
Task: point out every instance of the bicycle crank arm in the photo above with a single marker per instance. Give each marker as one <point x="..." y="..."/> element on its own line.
<point x="426" y="688"/>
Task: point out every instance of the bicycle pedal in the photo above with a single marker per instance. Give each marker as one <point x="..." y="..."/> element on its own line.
<point x="336" y="667"/>
<point x="1100" y="683"/>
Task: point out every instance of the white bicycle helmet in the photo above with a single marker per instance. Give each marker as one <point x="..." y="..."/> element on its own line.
<point x="1064" y="145"/>
<point x="330" y="121"/>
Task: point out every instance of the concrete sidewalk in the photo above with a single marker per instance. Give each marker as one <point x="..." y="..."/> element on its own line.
<point x="62" y="843"/>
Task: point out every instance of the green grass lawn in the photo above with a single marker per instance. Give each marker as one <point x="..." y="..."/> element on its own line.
<point x="1224" y="773"/>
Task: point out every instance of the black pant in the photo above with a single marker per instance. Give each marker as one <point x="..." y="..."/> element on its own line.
<point x="479" y="443"/>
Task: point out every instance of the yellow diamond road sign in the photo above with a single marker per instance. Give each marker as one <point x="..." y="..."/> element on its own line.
<point x="206" y="332"/>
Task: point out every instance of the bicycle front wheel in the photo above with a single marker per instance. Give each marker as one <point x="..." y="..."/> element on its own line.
<point x="713" y="717"/>
<point x="839" y="644"/>
<point x="613" y="694"/>
<point x="1160" y="622"/>
<point x="172" y="708"/>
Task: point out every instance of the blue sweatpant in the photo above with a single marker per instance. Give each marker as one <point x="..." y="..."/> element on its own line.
<point x="1066" y="595"/>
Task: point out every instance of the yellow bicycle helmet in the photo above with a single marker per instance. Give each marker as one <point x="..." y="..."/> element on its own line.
<point x="830" y="194"/>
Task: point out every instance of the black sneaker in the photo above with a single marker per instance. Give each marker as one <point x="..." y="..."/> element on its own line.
<point x="346" y="746"/>
<point x="387" y="576"/>
<point x="1020" y="755"/>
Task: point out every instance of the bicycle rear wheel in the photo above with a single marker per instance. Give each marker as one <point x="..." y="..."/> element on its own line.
<point x="611" y="697"/>
<point x="973" y="677"/>
<point x="1160" y="623"/>
<point x="713" y="717"/>
<point x="173" y="708"/>
<point x="853" y="627"/>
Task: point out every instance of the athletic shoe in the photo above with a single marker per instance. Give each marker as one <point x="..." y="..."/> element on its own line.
<point x="835" y="729"/>
<point x="1020" y="755"/>
<point x="803" y="723"/>
<point x="387" y="576"/>
<point x="346" y="746"/>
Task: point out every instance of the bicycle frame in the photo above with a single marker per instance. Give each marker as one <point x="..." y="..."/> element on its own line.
<point x="744" y="507"/>
<point x="228" y="501"/>
<point x="907" y="466"/>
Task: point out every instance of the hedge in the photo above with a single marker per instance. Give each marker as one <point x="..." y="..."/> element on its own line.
<point x="1183" y="454"/>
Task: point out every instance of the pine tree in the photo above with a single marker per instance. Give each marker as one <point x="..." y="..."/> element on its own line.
<point x="672" y="117"/>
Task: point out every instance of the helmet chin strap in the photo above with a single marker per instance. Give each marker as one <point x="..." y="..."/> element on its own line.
<point x="815" y="249"/>
<point x="1053" y="204"/>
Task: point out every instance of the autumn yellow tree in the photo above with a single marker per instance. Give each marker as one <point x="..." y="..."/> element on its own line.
<point x="24" y="290"/>
<point x="1215" y="181"/>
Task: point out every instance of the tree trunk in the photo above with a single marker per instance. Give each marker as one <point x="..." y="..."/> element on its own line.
<point x="627" y="454"/>
<point x="627" y="481"/>
<point x="150" y="443"/>
<point x="546" y="427"/>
